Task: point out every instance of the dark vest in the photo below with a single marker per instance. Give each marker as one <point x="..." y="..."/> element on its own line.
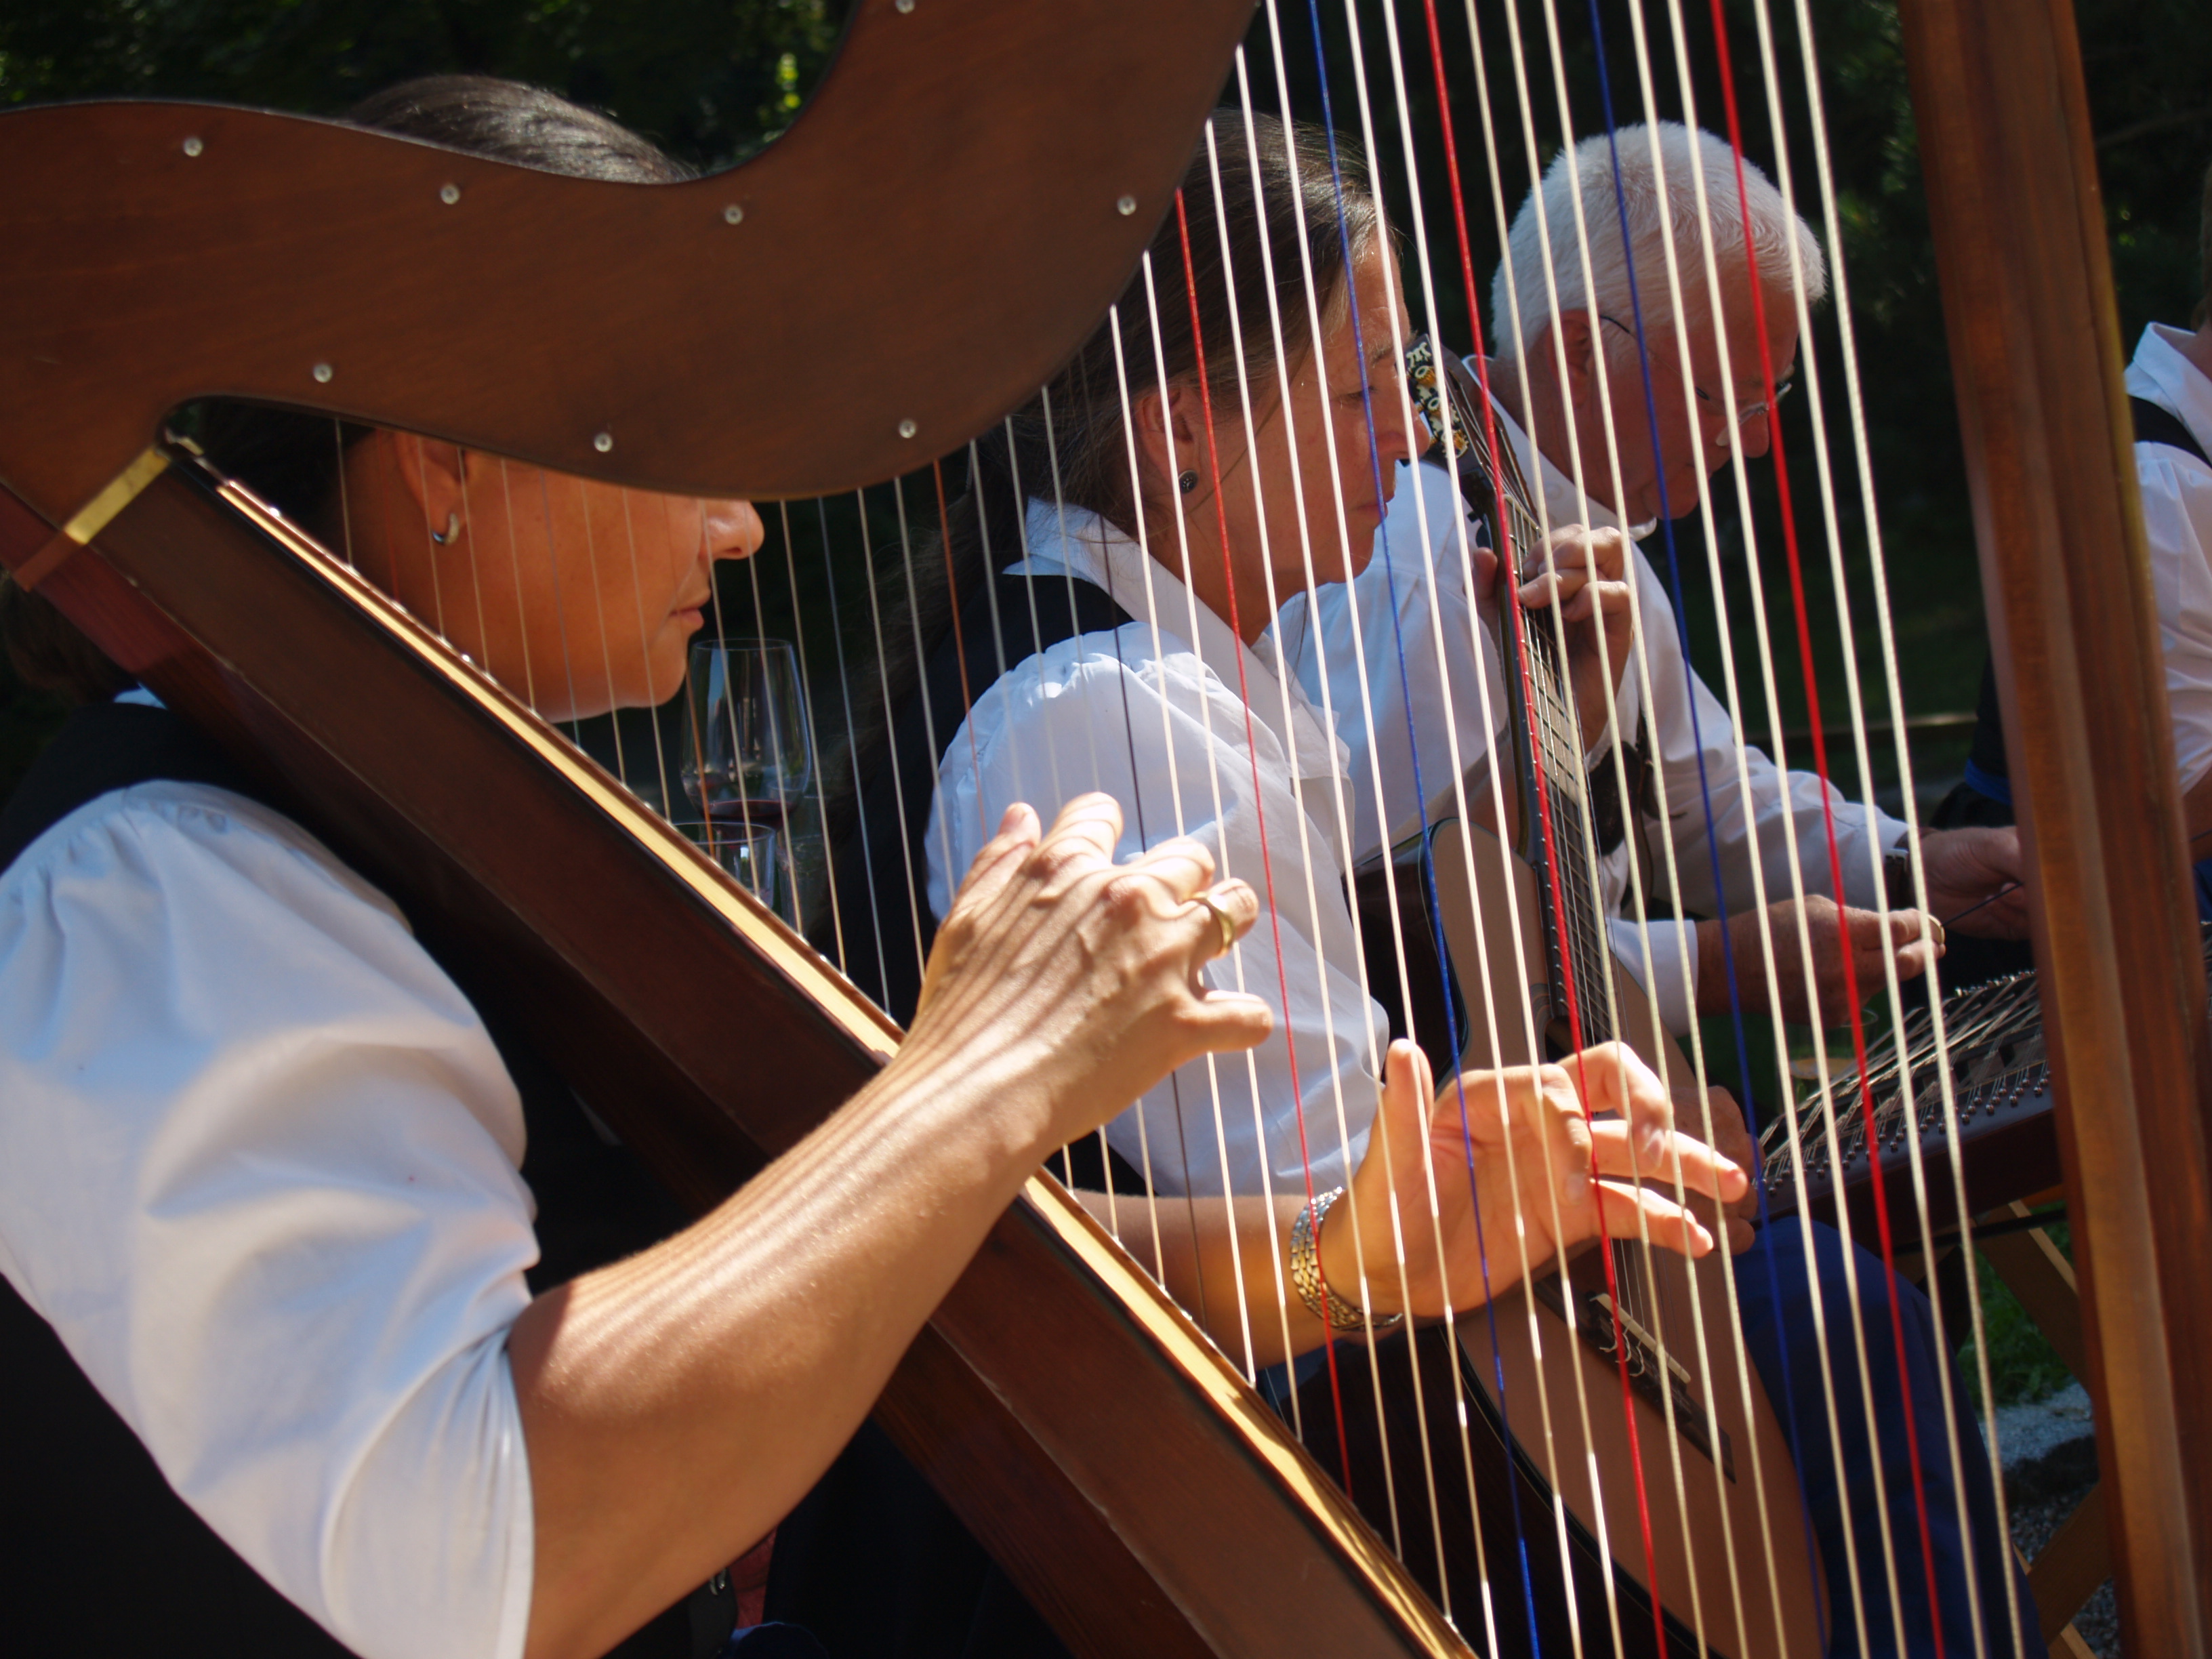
<point x="98" y="1555"/>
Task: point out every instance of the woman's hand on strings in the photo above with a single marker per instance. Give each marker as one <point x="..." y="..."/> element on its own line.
<point x="1514" y="1152"/>
<point x="1832" y="930"/>
<point x="1078" y="979"/>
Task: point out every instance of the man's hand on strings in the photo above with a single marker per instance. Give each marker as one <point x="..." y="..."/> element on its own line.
<point x="1719" y="1123"/>
<point x="1582" y="572"/>
<point x="1974" y="878"/>
<point x="1515" y="1152"/>
<point x="1832" y="930"/>
<point x="1078" y="978"/>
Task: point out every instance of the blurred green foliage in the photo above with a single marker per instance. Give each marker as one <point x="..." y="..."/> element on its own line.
<point x="2023" y="1367"/>
<point x="711" y="80"/>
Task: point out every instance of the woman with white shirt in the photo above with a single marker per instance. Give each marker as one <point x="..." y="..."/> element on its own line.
<point x="1116" y="568"/>
<point x="286" y="1374"/>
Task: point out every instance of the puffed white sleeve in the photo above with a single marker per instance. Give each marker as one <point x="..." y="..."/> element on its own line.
<point x="1167" y="739"/>
<point x="259" y="1170"/>
<point x="2177" y="505"/>
<point x="1400" y="659"/>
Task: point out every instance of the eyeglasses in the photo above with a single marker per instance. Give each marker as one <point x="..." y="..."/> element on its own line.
<point x="1745" y="414"/>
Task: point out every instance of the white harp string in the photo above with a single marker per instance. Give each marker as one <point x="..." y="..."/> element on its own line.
<point x="1254" y="1310"/>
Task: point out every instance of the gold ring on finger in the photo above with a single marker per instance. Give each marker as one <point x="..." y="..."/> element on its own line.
<point x="1222" y="920"/>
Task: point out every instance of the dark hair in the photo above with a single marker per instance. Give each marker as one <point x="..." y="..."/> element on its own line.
<point x="1070" y="442"/>
<point x="292" y="460"/>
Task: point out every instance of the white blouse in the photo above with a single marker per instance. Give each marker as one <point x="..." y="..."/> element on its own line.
<point x="2177" y="505"/>
<point x="1150" y="714"/>
<point x="258" y="1168"/>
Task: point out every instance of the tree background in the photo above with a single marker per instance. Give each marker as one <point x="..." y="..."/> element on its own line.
<point x="715" y="79"/>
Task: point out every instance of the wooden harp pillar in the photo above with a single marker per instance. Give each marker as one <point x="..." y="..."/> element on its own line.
<point x="2020" y="248"/>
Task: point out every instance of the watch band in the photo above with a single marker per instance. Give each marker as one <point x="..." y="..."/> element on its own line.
<point x="1324" y="1303"/>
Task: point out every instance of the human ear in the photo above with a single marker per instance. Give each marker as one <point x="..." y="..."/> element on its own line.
<point x="1168" y="440"/>
<point x="433" y="475"/>
<point x="1578" y="336"/>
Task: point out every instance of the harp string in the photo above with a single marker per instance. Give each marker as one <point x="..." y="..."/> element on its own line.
<point x="515" y="563"/>
<point x="1497" y="782"/>
<point x="1628" y="809"/>
<point x="1639" y="656"/>
<point x="1550" y="829"/>
<point x="1128" y="733"/>
<point x="1755" y="857"/>
<point x="637" y="608"/>
<point x="1954" y="1454"/>
<point x="1259" y="811"/>
<point x="1152" y="617"/>
<point x="1820" y="752"/>
<point x="1284" y="410"/>
<point x="1629" y="815"/>
<point x="1299" y="819"/>
<point x="1214" y="781"/>
<point x="815" y="769"/>
<point x="476" y="572"/>
<point x="1886" y="634"/>
<point x="345" y="507"/>
<point x="1529" y="1269"/>
<point x="1834" y="863"/>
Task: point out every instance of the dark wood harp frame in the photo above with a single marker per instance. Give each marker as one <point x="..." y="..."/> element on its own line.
<point x="1115" y="1464"/>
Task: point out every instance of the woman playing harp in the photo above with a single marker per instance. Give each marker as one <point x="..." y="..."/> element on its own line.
<point x="272" y="1190"/>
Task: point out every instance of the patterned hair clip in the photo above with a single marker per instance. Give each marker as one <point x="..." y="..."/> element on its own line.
<point x="1425" y="384"/>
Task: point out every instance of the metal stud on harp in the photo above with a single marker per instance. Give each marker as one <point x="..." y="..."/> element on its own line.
<point x="1151" y="1488"/>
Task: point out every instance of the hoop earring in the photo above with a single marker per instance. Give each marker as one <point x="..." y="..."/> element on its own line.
<point x="452" y="530"/>
<point x="1186" y="482"/>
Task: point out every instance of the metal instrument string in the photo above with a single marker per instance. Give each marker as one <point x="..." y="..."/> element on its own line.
<point x="1213" y="783"/>
<point x="1259" y="807"/>
<point x="1284" y="410"/>
<point x="814" y="767"/>
<point x="1419" y="505"/>
<point x="1755" y="859"/>
<point x="1852" y="689"/>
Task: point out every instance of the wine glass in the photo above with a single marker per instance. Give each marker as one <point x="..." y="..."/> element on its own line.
<point x="744" y="762"/>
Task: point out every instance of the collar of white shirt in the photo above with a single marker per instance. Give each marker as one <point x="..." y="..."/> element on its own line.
<point x="2162" y="375"/>
<point x="1075" y="541"/>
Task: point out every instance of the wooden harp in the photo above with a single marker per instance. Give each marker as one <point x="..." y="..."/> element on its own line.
<point x="1136" y="1491"/>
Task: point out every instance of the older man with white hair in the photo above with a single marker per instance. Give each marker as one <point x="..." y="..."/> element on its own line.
<point x="1572" y="374"/>
<point x="1612" y="383"/>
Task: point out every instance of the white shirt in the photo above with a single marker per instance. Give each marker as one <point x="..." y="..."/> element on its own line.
<point x="1150" y="713"/>
<point x="2177" y="505"/>
<point x="258" y="1168"/>
<point x="1423" y="566"/>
